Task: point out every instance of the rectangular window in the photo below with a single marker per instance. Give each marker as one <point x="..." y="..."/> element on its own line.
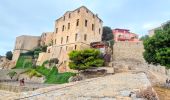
<point x="63" y="28"/>
<point x="92" y="27"/>
<point x="99" y="30"/>
<point x="56" y="30"/>
<point x="85" y="23"/>
<point x="85" y="37"/>
<point x="68" y="25"/>
<point x="77" y="24"/>
<point x="64" y="18"/>
<point x="93" y="16"/>
<point x="76" y="37"/>
<point x="69" y="15"/>
<point x="87" y="11"/>
<point x="55" y="41"/>
<point x="75" y="47"/>
<point x="67" y="40"/>
<point x="78" y="11"/>
<point x="61" y="40"/>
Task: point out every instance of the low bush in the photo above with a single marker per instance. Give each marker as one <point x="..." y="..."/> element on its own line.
<point x="33" y="72"/>
<point x="53" y="77"/>
<point x="12" y="74"/>
<point x="43" y="70"/>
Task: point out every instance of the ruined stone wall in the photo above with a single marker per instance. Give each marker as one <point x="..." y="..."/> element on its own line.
<point x="128" y="51"/>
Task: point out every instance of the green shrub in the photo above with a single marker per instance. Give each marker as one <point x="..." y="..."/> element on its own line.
<point x="63" y="77"/>
<point x="33" y="72"/>
<point x="51" y="77"/>
<point x="12" y="74"/>
<point x="58" y="78"/>
<point x="43" y="70"/>
<point x="84" y="59"/>
<point x="45" y="62"/>
<point x="157" y="47"/>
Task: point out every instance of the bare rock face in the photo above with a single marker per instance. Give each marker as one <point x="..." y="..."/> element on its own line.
<point x="5" y="63"/>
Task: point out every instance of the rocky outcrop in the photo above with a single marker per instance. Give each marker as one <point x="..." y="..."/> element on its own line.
<point x="5" y="63"/>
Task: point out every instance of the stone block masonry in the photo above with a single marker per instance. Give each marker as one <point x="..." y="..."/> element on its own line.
<point x="128" y="51"/>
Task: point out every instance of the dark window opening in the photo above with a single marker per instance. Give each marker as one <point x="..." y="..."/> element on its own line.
<point x="99" y="30"/>
<point x="64" y="18"/>
<point x="87" y="11"/>
<point x="69" y="15"/>
<point x="93" y="16"/>
<point x="56" y="30"/>
<point x="78" y="11"/>
<point x="61" y="40"/>
<point x="85" y="37"/>
<point x="92" y="27"/>
<point x="86" y="23"/>
<point x="75" y="47"/>
<point x="77" y="24"/>
<point x="67" y="39"/>
<point x="76" y="37"/>
<point x="63" y="28"/>
<point x="68" y="25"/>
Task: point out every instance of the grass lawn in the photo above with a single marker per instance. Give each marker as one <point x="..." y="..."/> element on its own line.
<point x="53" y="77"/>
<point x="24" y="62"/>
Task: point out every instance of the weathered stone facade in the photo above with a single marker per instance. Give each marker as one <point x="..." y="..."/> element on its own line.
<point x="24" y="44"/>
<point x="128" y="51"/>
<point x="75" y="30"/>
<point x="46" y="38"/>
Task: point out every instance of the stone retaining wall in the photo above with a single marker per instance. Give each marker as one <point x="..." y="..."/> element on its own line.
<point x="160" y="69"/>
<point x="131" y="51"/>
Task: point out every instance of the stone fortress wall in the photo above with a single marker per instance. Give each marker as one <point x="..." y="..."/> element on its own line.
<point x="75" y="30"/>
<point x="123" y="50"/>
<point x="131" y="54"/>
<point x="24" y="44"/>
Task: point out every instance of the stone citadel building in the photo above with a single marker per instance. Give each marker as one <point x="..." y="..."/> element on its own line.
<point x="75" y="30"/>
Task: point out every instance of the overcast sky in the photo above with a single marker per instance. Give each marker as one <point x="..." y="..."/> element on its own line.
<point x="32" y="17"/>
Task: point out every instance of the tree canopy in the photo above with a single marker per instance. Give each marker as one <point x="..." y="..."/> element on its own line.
<point x="157" y="47"/>
<point x="107" y="34"/>
<point x="84" y="59"/>
<point x="9" y="55"/>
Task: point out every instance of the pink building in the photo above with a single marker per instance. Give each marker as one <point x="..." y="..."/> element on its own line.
<point x="124" y="35"/>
